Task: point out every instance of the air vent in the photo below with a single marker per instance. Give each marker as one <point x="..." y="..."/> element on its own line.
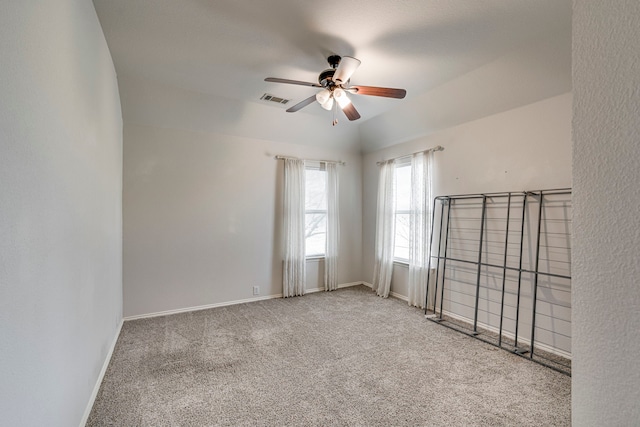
<point x="273" y="98"/>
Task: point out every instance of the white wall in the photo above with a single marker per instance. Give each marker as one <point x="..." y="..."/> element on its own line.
<point x="202" y="218"/>
<point x="60" y="210"/>
<point x="527" y="148"/>
<point x="606" y="173"/>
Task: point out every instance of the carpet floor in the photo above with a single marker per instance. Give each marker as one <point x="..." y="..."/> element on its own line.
<point x="342" y="358"/>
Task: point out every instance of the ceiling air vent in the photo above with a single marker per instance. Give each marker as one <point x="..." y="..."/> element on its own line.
<point x="273" y="98"/>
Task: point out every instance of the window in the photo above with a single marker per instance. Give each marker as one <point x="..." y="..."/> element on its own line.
<point x="402" y="210"/>
<point x="315" y="210"/>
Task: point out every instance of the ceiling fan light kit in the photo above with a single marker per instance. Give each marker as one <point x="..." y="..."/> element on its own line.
<point x="335" y="83"/>
<point x="325" y="99"/>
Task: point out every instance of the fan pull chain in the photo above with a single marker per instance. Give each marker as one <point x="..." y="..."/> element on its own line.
<point x="335" y="108"/>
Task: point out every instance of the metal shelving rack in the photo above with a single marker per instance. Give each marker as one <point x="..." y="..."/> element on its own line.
<point x="495" y="247"/>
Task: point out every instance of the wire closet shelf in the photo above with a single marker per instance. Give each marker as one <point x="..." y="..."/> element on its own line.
<point x="501" y="271"/>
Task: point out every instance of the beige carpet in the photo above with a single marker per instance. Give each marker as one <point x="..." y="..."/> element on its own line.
<point x="340" y="358"/>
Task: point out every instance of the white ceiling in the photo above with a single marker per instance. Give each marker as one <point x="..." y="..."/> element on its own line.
<point x="223" y="50"/>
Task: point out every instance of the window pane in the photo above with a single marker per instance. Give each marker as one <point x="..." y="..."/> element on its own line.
<point x="402" y="236"/>
<point x="403" y="188"/>
<point x="403" y="209"/>
<point x="315" y="190"/>
<point x="315" y="233"/>
<point x="316" y="211"/>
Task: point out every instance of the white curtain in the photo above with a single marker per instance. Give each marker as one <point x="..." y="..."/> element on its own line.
<point x="385" y="230"/>
<point x="333" y="230"/>
<point x="420" y="228"/>
<point x="293" y="276"/>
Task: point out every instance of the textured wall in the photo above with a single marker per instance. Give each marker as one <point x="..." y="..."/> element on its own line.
<point x="203" y="217"/>
<point x="60" y="210"/>
<point x="606" y="174"/>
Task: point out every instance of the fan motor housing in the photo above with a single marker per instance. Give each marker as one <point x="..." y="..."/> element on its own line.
<point x="326" y="77"/>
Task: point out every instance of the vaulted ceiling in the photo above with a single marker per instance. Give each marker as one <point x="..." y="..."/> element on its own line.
<point x="201" y="64"/>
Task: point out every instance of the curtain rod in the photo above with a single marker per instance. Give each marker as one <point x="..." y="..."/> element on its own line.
<point x="338" y="162"/>
<point x="436" y="148"/>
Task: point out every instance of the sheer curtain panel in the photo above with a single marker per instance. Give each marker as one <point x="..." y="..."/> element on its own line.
<point x="333" y="229"/>
<point x="293" y="276"/>
<point x="385" y="230"/>
<point x="419" y="228"/>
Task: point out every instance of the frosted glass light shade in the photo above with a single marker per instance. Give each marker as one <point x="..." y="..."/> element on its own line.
<point x="324" y="99"/>
<point x="328" y="105"/>
<point x="341" y="97"/>
<point x="323" y="96"/>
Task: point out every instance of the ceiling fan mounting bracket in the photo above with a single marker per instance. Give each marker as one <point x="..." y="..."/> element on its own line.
<point x="334" y="61"/>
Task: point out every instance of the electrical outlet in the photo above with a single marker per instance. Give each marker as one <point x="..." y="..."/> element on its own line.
<point x="256" y="290"/>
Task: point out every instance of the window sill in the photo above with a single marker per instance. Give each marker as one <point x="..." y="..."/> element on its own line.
<point x="315" y="258"/>
<point x="403" y="262"/>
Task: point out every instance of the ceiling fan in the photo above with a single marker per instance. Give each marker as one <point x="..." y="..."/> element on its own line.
<point x="335" y="84"/>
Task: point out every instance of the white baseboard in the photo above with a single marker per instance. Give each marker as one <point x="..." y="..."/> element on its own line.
<point x="391" y="293"/>
<point x="103" y="371"/>
<point x="227" y="303"/>
<point x="510" y="335"/>
<point x="348" y="285"/>
<point x="399" y="296"/>
<point x="200" y="307"/>
<point x="506" y="334"/>
<point x="493" y="329"/>
<point x="340" y="286"/>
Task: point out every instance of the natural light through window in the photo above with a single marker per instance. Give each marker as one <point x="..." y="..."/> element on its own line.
<point x="315" y="211"/>
<point x="403" y="211"/>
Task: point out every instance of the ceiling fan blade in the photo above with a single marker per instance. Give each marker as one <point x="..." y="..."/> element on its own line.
<point x="345" y="70"/>
<point x="291" y="82"/>
<point x="387" y="92"/>
<point x="300" y="105"/>
<point x="351" y="112"/>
